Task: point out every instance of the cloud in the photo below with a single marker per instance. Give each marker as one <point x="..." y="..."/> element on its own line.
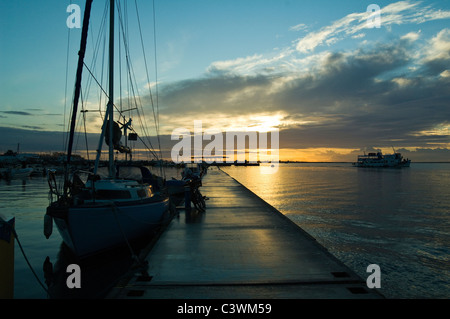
<point x="300" y="56"/>
<point x="327" y="34"/>
<point x="221" y="93"/>
<point x="351" y="99"/>
<point x="439" y="47"/>
<point x="32" y="127"/>
<point x="17" y="113"/>
<point x="252" y="64"/>
<point x="375" y="95"/>
<point x="411" y="36"/>
<point x="30" y="140"/>
<point x="402" y="12"/>
<point x="236" y="64"/>
<point x="34" y="109"/>
<point x="23" y="113"/>
<point x="298" y="27"/>
<point x="359" y="36"/>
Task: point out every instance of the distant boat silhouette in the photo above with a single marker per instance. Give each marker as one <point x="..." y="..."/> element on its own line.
<point x="379" y="160"/>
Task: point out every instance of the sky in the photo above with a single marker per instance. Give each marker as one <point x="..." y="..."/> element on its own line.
<point x="335" y="80"/>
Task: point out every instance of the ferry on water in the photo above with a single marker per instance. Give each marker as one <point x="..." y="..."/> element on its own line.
<point x="380" y="160"/>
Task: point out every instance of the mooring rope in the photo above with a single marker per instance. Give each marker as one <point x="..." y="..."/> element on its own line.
<point x="115" y="209"/>
<point x="24" y="255"/>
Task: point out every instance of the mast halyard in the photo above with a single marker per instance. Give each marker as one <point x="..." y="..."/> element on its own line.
<point x="108" y="121"/>
<point x="110" y="106"/>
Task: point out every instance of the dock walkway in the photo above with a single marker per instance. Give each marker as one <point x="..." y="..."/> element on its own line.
<point x="241" y="247"/>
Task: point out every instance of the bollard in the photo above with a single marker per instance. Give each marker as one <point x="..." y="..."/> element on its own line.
<point x="6" y="258"/>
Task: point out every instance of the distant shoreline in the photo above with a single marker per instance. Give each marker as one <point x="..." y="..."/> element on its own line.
<point x="303" y="162"/>
<point x="58" y="157"/>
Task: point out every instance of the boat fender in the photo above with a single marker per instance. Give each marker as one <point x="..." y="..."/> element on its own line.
<point x="48" y="225"/>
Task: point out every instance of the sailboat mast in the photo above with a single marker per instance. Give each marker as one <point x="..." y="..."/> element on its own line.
<point x="111" y="89"/>
<point x="84" y="34"/>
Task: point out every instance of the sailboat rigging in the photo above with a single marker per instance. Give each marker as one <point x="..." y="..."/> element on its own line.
<point x="105" y="212"/>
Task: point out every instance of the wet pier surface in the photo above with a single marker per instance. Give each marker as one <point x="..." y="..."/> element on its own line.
<point x="241" y="247"/>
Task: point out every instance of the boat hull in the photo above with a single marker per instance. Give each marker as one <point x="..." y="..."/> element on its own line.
<point x="384" y="165"/>
<point x="89" y="230"/>
<point x="378" y="160"/>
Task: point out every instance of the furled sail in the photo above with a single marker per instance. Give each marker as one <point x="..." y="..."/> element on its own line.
<point x="117" y="135"/>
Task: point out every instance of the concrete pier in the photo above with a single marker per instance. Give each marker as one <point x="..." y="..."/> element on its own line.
<point x="241" y="247"/>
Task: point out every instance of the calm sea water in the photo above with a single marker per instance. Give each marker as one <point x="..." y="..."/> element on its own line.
<point x="27" y="200"/>
<point x="398" y="219"/>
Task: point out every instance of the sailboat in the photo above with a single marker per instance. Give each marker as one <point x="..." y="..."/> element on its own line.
<point x="103" y="212"/>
